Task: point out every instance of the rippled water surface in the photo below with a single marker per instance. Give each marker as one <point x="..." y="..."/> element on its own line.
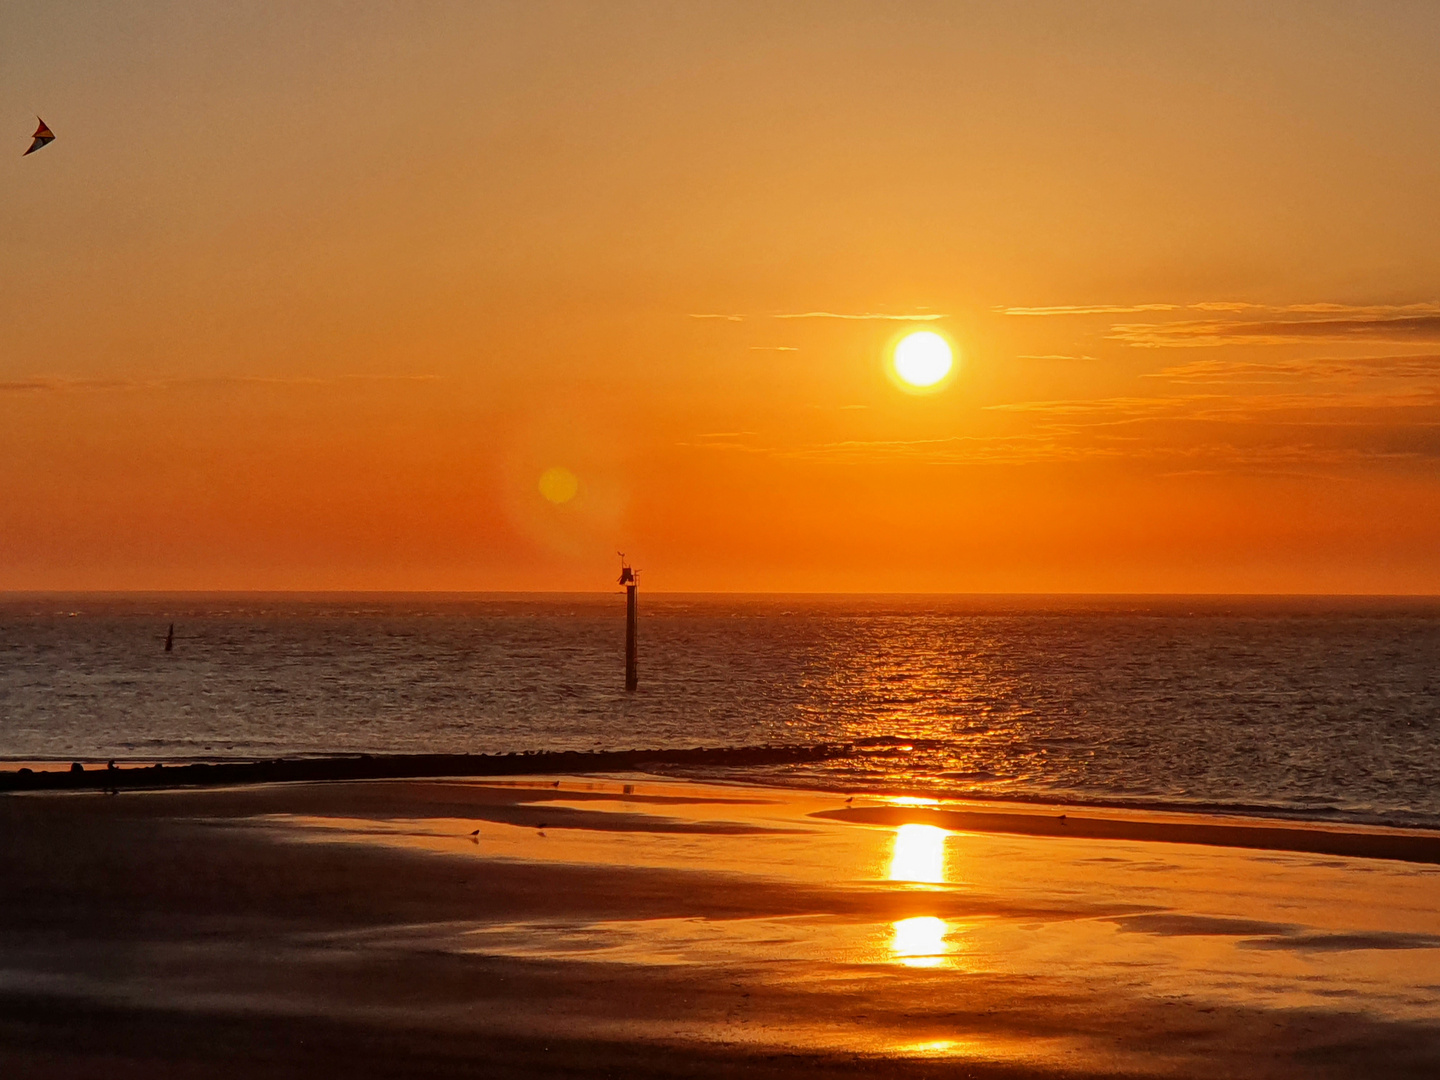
<point x="1315" y="708"/>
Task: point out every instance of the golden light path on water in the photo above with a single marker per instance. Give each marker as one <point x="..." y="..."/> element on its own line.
<point x="919" y="858"/>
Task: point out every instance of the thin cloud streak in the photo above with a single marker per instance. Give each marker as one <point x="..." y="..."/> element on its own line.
<point x="1193" y="334"/>
<point x="1420" y="308"/>
<point x="1279" y="372"/>
<point x="1223" y="407"/>
<point x="45" y="384"/>
<point x="863" y="316"/>
<point x="1290" y="458"/>
<point x="1231" y="306"/>
<point x="1086" y="309"/>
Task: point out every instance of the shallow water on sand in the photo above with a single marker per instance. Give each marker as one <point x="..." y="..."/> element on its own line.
<point x="1257" y="929"/>
<point x="559" y="915"/>
<point x="1325" y="709"/>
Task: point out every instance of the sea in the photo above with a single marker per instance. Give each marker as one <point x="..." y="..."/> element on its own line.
<point x="1322" y="709"/>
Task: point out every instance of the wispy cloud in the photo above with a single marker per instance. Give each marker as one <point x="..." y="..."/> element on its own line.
<point x="1243" y="322"/>
<point x="1086" y="309"/>
<point x="861" y="316"/>
<point x="1325" y="308"/>
<point x="58" y="384"/>
<point x="741" y="441"/>
<point x="1279" y="372"/>
<point x="857" y="316"/>
<point x="44" y="384"/>
<point x="773" y="348"/>
<point x="949" y="450"/>
<point x="1232" y="306"/>
<point x="1052" y="356"/>
<point x="1310" y="435"/>
<point x="1385" y="326"/>
<point x="1325" y="407"/>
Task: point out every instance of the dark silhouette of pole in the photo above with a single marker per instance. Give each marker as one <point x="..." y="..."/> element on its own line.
<point x="632" y="677"/>
<point x="170" y="639"/>
<point x="627" y="578"/>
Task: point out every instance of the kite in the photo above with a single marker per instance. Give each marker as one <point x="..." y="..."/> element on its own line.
<point x="43" y="135"/>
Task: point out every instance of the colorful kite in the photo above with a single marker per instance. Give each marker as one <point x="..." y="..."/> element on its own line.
<point x="43" y="135"/>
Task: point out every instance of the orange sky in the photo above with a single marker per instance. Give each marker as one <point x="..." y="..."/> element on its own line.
<point x="312" y="298"/>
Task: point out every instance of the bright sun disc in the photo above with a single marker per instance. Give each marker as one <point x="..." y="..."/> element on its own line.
<point x="922" y="359"/>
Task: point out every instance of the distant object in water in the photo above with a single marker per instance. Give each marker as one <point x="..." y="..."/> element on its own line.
<point x="628" y="579"/>
<point x="43" y="137"/>
<point x="170" y="639"/>
<point x="75" y="766"/>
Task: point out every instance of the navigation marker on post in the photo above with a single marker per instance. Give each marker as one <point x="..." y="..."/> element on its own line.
<point x="627" y="578"/>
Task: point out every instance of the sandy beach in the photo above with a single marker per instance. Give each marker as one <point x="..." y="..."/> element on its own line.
<point x="598" y="926"/>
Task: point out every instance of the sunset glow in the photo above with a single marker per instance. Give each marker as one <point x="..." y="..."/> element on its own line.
<point x="1012" y="323"/>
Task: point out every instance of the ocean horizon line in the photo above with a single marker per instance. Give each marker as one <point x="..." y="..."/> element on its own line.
<point x="9" y="594"/>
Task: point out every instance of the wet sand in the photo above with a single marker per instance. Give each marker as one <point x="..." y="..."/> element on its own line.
<point x="297" y="930"/>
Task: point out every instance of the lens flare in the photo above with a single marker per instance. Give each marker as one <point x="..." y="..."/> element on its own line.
<point x="558" y="485"/>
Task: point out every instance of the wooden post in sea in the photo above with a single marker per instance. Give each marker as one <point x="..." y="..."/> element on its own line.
<point x="627" y="578"/>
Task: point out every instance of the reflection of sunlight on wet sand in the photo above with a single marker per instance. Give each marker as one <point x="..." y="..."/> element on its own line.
<point x="919" y="858"/>
<point x="919" y="854"/>
<point x="935" y="1046"/>
<point x="920" y="942"/>
<point x="1031" y="907"/>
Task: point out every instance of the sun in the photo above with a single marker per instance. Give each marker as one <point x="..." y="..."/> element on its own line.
<point x="922" y="359"/>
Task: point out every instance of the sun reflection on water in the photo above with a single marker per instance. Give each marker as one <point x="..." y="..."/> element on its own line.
<point x="933" y="1046"/>
<point x="919" y="858"/>
<point x="919" y="854"/>
<point x="920" y="941"/>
